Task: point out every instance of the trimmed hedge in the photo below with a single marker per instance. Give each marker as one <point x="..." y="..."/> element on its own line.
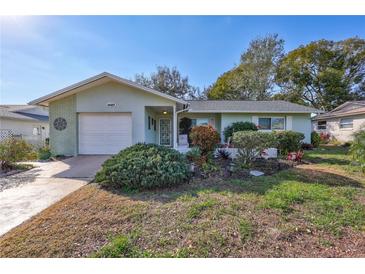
<point x="250" y="144"/>
<point x="238" y="126"/>
<point x="144" y="166"/>
<point x="315" y="139"/>
<point x="289" y="141"/>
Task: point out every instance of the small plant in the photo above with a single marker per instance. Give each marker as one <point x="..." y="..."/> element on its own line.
<point x="14" y="150"/>
<point x="44" y="153"/>
<point x="223" y="154"/>
<point x="315" y="139"/>
<point x="357" y="149"/>
<point x="325" y="137"/>
<point x="194" y="154"/>
<point x="295" y="156"/>
<point x="251" y="143"/>
<point x="238" y="126"/>
<point x="122" y="246"/>
<point x="209" y="167"/>
<point x="288" y="141"/>
<point x="246" y="230"/>
<point x="204" y="137"/>
<point x="198" y="208"/>
<point x="144" y="166"/>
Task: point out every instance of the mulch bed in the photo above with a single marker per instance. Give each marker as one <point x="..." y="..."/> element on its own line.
<point x="228" y="168"/>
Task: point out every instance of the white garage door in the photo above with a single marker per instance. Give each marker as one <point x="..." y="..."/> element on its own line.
<point x="104" y="133"/>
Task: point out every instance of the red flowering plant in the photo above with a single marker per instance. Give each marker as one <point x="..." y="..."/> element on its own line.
<point x="325" y="137"/>
<point x="295" y="156"/>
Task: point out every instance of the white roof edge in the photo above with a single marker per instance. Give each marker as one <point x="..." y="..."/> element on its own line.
<point x="243" y="111"/>
<point x="39" y="100"/>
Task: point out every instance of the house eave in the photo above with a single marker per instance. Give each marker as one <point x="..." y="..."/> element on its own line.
<point x="242" y="111"/>
<point x="69" y="90"/>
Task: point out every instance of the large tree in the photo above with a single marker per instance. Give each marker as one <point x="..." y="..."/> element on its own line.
<point x="324" y="74"/>
<point x="169" y="81"/>
<point x="253" y="78"/>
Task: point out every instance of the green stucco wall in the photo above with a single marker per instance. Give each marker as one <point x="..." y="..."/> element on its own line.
<point x="302" y="123"/>
<point x="63" y="142"/>
<point x="229" y="118"/>
<point x="126" y="99"/>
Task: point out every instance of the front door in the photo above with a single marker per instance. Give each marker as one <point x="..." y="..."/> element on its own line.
<point x="165" y="132"/>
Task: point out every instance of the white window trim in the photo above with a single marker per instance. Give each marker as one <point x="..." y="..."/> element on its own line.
<point x="321" y="128"/>
<point x="211" y="120"/>
<point x="346" y="128"/>
<point x="271" y="117"/>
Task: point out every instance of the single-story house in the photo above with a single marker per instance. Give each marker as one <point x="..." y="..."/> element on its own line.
<point x="26" y="122"/>
<point x="342" y="122"/>
<point x="106" y="113"/>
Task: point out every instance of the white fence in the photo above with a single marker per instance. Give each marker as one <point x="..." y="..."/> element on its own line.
<point x="5" y="134"/>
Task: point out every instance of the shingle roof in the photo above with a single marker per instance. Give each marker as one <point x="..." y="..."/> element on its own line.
<point x="349" y="108"/>
<point x="19" y="112"/>
<point x="249" y="106"/>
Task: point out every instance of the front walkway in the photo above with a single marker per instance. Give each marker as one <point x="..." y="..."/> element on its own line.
<point x="42" y="186"/>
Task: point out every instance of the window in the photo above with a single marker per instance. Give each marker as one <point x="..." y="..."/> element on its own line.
<point x="154" y="125"/>
<point x="322" y="125"/>
<point x="202" y="121"/>
<point x="273" y="123"/>
<point x="278" y="123"/>
<point x="265" y="123"/>
<point x="346" y="123"/>
<point x="36" y="131"/>
<point x="149" y="122"/>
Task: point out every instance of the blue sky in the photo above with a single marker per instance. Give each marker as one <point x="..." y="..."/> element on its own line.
<point x="39" y="55"/>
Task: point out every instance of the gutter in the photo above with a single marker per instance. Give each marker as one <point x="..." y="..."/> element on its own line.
<point x="183" y="110"/>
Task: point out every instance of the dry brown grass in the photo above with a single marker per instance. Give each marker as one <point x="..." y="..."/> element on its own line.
<point x="206" y="218"/>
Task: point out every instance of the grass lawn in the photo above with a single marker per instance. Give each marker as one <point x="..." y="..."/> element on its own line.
<point x="313" y="210"/>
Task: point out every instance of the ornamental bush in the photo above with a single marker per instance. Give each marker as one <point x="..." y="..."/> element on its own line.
<point x="315" y="139"/>
<point x="250" y="144"/>
<point x="144" y="166"/>
<point x="14" y="150"/>
<point x="204" y="137"/>
<point x="44" y="153"/>
<point x="289" y="141"/>
<point x="238" y="126"/>
<point x="357" y="149"/>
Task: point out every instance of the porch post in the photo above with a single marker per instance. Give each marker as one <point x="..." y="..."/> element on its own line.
<point x="174" y="127"/>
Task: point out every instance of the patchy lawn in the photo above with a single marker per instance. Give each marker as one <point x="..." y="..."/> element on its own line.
<point x="313" y="210"/>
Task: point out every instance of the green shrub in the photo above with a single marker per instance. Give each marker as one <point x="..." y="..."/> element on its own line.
<point x="357" y="149"/>
<point x="144" y="166"/>
<point x="204" y="137"/>
<point x="14" y="150"/>
<point x="315" y="139"/>
<point x="194" y="154"/>
<point x="251" y="143"/>
<point x="288" y="141"/>
<point x="238" y="126"/>
<point x="44" y="153"/>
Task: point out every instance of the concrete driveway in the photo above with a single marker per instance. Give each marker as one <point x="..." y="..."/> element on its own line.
<point x="42" y="186"/>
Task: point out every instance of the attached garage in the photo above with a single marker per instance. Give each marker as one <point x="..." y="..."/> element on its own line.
<point x="104" y="133"/>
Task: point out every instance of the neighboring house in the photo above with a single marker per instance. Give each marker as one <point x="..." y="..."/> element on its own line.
<point x="342" y="122"/>
<point x="106" y="113"/>
<point x="25" y="122"/>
